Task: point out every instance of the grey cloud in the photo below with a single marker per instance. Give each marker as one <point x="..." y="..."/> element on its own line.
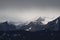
<point x="29" y="3"/>
<point x="10" y="8"/>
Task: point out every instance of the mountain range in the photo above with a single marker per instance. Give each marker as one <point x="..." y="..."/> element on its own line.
<point x="53" y="25"/>
<point x="37" y="25"/>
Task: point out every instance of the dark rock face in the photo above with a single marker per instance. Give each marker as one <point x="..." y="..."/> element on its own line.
<point x="6" y="27"/>
<point x="54" y="25"/>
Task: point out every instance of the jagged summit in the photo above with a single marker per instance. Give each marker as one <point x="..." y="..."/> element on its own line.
<point x="39" y="20"/>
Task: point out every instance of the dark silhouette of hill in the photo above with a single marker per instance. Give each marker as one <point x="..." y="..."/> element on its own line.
<point x="6" y="27"/>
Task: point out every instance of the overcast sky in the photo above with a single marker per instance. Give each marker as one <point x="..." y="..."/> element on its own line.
<point x="28" y="10"/>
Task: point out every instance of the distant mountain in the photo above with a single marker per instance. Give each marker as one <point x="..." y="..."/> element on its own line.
<point x="37" y="25"/>
<point x="7" y="27"/>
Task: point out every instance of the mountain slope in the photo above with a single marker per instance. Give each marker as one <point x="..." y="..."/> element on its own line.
<point x="54" y="25"/>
